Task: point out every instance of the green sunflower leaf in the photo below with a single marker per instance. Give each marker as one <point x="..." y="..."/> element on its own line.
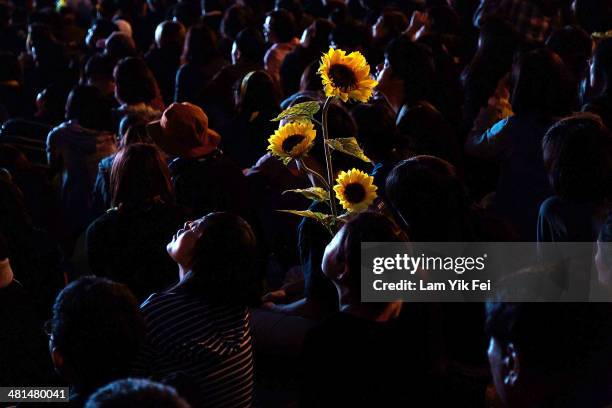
<point x="304" y="110"/>
<point x="348" y="145"/>
<point x="312" y="193"/>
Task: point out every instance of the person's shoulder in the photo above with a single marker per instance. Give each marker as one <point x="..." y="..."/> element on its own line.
<point x="57" y="131"/>
<point x="104" y="223"/>
<point x="551" y="204"/>
<point x="159" y="300"/>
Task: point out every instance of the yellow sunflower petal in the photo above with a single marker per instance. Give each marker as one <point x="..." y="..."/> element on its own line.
<point x="355" y="190"/>
<point x="355" y="74"/>
<point x="292" y="140"/>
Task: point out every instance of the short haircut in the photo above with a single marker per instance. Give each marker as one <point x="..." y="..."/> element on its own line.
<point x="351" y="36"/>
<point x="426" y="192"/>
<point x="602" y="61"/>
<point x="97" y="328"/>
<point x="170" y="34"/>
<point x="413" y="63"/>
<point x="555" y="338"/>
<point x="235" y="19"/>
<point x="134" y="81"/>
<point x="542" y="85"/>
<point x="376" y="130"/>
<point x="394" y="21"/>
<point x="140" y="176"/>
<point x="577" y="154"/>
<point x="225" y="268"/>
<point x="574" y="45"/>
<point x="201" y="45"/>
<point x="87" y="105"/>
<point x="605" y="237"/>
<point x="282" y="24"/>
<point x="251" y="44"/>
<point x="135" y="392"/>
<point x="4" y="248"/>
<point x="99" y="65"/>
<point x="103" y="27"/>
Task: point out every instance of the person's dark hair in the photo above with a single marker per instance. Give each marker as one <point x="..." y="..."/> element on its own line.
<point x="292" y="6"/>
<point x="605" y="237"/>
<point x="103" y="28"/>
<point x="376" y="131"/>
<point x="578" y="157"/>
<point x="413" y="63"/>
<point x="593" y="15"/>
<point x="200" y="45"/>
<point x="4" y="248"/>
<point x="429" y="198"/>
<point x="10" y="69"/>
<point x="322" y="29"/>
<point x="311" y="80"/>
<point x="251" y="44"/>
<point x="282" y="24"/>
<point x="119" y="45"/>
<point x="136" y="392"/>
<point x="542" y="85"/>
<point x="225" y="266"/>
<point x="602" y="64"/>
<point x="171" y="34"/>
<point x="235" y="19"/>
<point x="134" y="81"/>
<point x="443" y="20"/>
<point x="14" y="216"/>
<point x="140" y="176"/>
<point x="574" y="45"/>
<point x="257" y="93"/>
<point x="555" y="339"/>
<point x="351" y="36"/>
<point x="50" y="53"/>
<point x="129" y="120"/>
<point x="423" y="130"/>
<point x="136" y="133"/>
<point x="187" y="13"/>
<point x="97" y="328"/>
<point x="491" y="62"/>
<point x="87" y="105"/>
<point x="394" y="22"/>
<point x="99" y="66"/>
<point x="365" y="227"/>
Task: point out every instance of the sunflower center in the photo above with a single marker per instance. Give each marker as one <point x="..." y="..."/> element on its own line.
<point x="342" y="76"/>
<point x="354" y="192"/>
<point x="290" y="142"/>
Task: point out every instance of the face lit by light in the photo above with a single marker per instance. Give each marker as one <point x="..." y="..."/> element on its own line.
<point x="181" y="248"/>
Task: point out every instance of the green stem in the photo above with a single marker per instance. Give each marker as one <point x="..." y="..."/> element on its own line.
<point x="328" y="161"/>
<point x="316" y="174"/>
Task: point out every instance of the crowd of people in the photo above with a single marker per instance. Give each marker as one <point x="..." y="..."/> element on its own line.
<point x="143" y="259"/>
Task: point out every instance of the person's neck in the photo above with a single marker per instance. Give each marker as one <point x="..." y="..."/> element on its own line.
<point x="182" y="272"/>
<point x="6" y="273"/>
<point x="396" y="100"/>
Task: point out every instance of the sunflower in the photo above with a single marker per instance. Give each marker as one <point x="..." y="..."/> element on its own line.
<point x="346" y="76"/>
<point x="355" y="190"/>
<point x="292" y="140"/>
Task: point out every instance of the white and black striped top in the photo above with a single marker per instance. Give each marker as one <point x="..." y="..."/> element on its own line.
<point x="212" y="345"/>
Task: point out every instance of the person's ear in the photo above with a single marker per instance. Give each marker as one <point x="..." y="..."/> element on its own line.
<point x="511" y="365"/>
<point x="58" y="360"/>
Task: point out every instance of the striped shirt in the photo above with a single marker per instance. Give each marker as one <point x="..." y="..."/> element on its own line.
<point x="211" y="345"/>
